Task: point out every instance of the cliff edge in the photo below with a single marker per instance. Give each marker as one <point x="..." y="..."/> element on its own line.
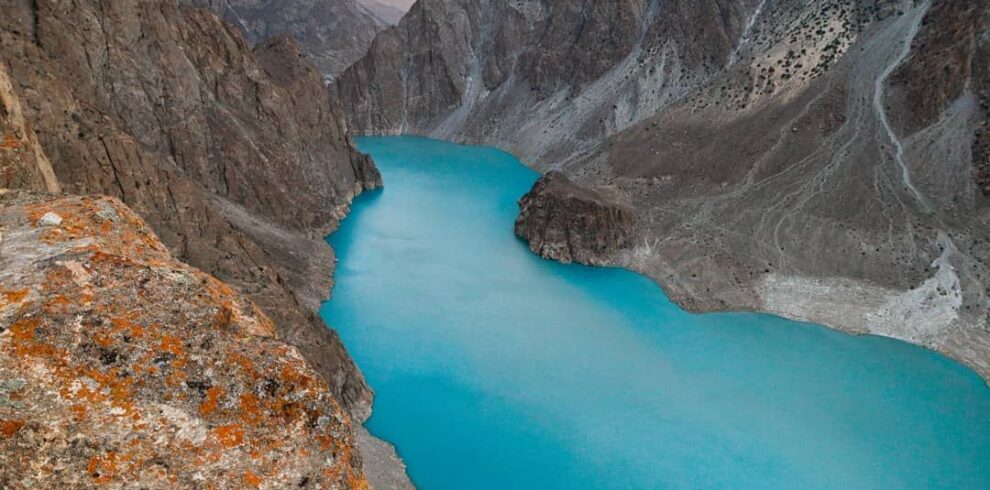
<point x="121" y="366"/>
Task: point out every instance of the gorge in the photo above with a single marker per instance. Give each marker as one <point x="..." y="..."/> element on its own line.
<point x="169" y="170"/>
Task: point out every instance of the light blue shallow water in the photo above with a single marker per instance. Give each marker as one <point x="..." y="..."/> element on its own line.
<point x="496" y="369"/>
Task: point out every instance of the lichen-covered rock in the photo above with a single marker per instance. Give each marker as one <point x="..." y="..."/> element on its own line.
<point x="566" y="222"/>
<point x="236" y="157"/>
<point x="121" y="366"/>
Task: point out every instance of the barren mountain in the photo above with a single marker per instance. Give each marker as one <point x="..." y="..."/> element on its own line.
<point x="825" y="160"/>
<point x="333" y="33"/>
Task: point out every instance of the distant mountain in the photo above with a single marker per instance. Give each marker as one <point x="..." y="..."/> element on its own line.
<point x="388" y="13"/>
<point x="827" y="160"/>
<point x="332" y="33"/>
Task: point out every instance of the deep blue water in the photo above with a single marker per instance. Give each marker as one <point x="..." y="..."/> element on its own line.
<point x="496" y="369"/>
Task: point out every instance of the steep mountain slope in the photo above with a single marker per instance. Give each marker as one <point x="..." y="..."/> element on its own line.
<point x="544" y="79"/>
<point x="237" y="159"/>
<point x="333" y="33"/>
<point x="821" y="159"/>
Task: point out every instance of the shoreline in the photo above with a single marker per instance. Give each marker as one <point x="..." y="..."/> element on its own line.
<point x="765" y="298"/>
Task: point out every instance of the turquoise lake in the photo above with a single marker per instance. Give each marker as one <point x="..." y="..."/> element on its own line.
<point x="494" y="368"/>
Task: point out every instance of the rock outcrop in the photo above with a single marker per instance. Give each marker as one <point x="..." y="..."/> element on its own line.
<point x="825" y="160"/>
<point x="333" y="33"/>
<point x="122" y="367"/>
<point x="237" y="158"/>
<point x="565" y="222"/>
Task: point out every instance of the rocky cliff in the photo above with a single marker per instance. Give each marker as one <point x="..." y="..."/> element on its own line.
<point x="821" y="159"/>
<point x="23" y="164"/>
<point x="120" y="366"/>
<point x="569" y="223"/>
<point x="333" y="33"/>
<point x="237" y="158"/>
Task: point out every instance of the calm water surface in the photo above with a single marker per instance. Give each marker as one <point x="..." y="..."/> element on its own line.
<point x="496" y="369"/>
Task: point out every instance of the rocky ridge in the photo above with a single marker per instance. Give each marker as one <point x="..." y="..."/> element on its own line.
<point x="121" y="366"/>
<point x="333" y="33"/>
<point x="237" y="158"/>
<point x="825" y="160"/>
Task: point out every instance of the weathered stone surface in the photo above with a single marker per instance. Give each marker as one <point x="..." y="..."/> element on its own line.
<point x="333" y="33"/>
<point x="237" y="158"/>
<point x="569" y="223"/>
<point x="120" y="366"/>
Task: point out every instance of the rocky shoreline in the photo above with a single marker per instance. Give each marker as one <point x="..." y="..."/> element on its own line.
<point x="557" y="229"/>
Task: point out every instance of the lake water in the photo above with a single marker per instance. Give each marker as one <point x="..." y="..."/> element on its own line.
<point x="495" y="368"/>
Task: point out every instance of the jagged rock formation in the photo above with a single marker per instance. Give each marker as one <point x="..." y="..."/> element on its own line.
<point x="121" y="366"/>
<point x="569" y="223"/>
<point x="821" y="159"/>
<point x="333" y="33"/>
<point x="237" y="159"/>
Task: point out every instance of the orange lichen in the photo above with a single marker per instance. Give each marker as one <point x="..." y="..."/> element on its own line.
<point x="172" y="345"/>
<point x="14" y="297"/>
<point x="212" y="401"/>
<point x="10" y="427"/>
<point x="229" y="436"/>
<point x="78" y="412"/>
<point x="252" y="480"/>
<point x="103" y="468"/>
<point x="24" y="329"/>
<point x="250" y="409"/>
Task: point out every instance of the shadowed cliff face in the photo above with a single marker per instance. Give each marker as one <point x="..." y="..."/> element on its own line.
<point x="237" y="159"/>
<point x="121" y="366"/>
<point x="826" y="160"/>
<point x="333" y="33"/>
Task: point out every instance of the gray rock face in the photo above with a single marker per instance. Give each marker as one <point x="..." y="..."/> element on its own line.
<point x="333" y="33"/>
<point x="237" y="158"/>
<point x="565" y="222"/>
<point x="547" y="80"/>
<point x="821" y="159"/>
